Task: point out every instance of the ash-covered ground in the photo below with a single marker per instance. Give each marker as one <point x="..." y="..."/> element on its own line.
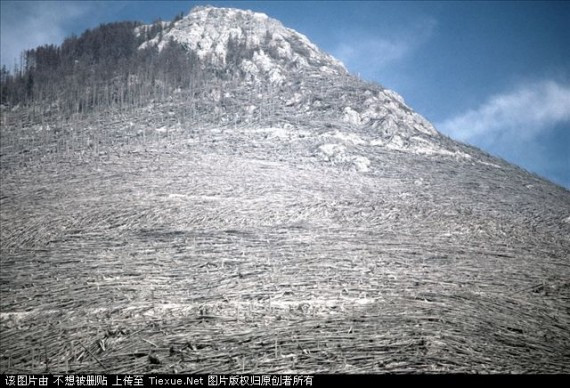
<point x="251" y="249"/>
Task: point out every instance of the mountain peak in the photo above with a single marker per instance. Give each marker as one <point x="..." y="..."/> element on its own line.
<point x="298" y="80"/>
<point x="251" y="42"/>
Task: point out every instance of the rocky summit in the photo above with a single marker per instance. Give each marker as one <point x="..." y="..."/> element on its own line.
<point x="217" y="194"/>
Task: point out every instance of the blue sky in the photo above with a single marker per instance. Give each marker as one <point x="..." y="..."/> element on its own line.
<point x="492" y="74"/>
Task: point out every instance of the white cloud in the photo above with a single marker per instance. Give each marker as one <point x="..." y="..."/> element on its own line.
<point x="371" y="51"/>
<point x="368" y="52"/>
<point x="519" y="115"/>
<point x="520" y="126"/>
<point x="28" y="24"/>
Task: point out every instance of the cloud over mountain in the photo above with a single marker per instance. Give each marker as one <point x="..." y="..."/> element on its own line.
<point x="520" y="114"/>
<point x="368" y="53"/>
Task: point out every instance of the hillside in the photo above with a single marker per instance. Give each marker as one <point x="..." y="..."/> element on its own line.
<point x="265" y="213"/>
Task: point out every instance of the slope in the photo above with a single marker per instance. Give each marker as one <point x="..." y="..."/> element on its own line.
<point x="304" y="235"/>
